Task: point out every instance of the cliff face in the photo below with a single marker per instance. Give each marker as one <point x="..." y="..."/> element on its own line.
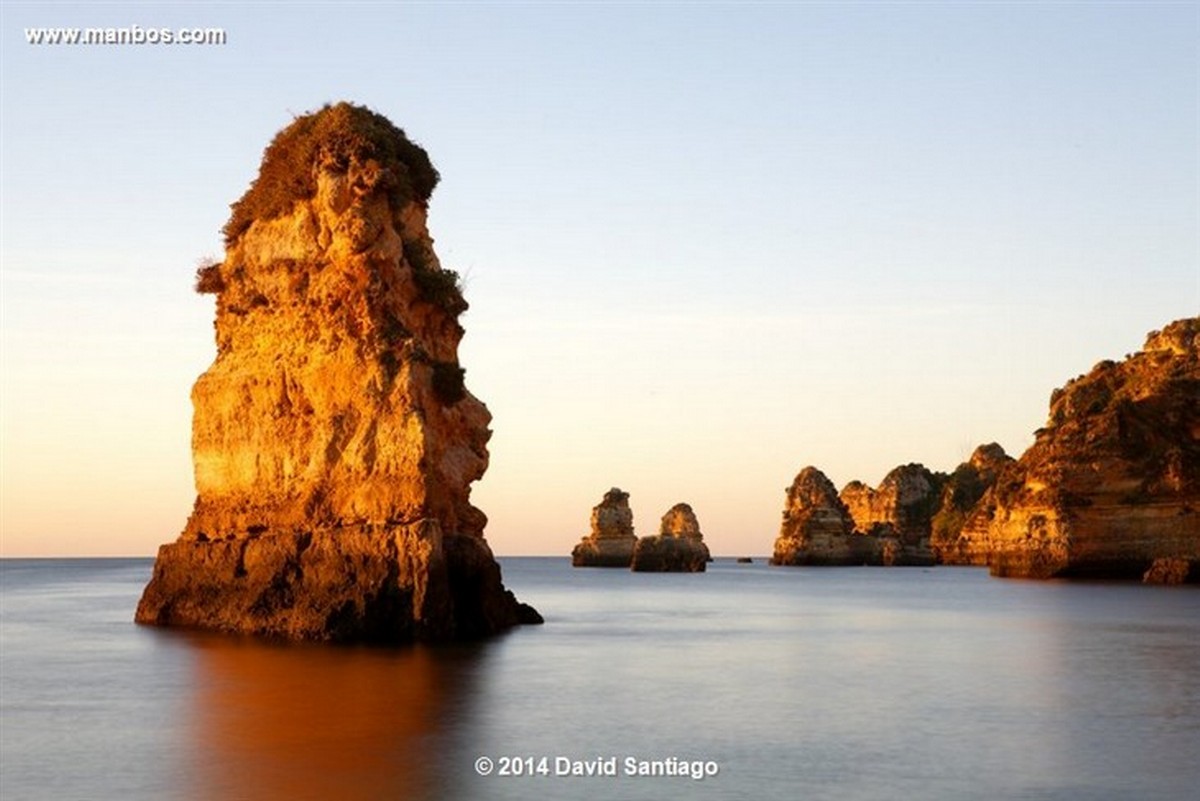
<point x="611" y="541"/>
<point x="678" y="548"/>
<point x="333" y="439"/>
<point x="817" y="528"/>
<point x="1111" y="486"/>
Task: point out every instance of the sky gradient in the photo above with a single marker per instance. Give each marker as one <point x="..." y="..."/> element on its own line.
<point x="704" y="245"/>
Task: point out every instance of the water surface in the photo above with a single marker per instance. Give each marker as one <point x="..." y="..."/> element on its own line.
<point x="814" y="683"/>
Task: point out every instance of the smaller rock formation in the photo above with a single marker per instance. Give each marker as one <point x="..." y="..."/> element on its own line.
<point x="1111" y="486"/>
<point x="678" y="548"/>
<point x="745" y="560"/>
<point x="898" y="515"/>
<point x="612" y="540"/>
<point x="817" y="528"/>
<point x="960" y="494"/>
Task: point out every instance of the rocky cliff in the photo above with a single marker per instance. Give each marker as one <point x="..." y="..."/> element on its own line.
<point x="678" y="548"/>
<point x="334" y="441"/>
<point x="817" y="528"/>
<point x="1111" y="486"/>
<point x="611" y="541"/>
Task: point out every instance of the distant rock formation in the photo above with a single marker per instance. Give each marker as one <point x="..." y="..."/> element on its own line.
<point x="1111" y="486"/>
<point x="896" y="524"/>
<point x="961" y="492"/>
<point x="817" y="528"/>
<point x="678" y="548"/>
<point x="612" y="540"/>
<point x="333" y="439"/>
<point x="897" y="516"/>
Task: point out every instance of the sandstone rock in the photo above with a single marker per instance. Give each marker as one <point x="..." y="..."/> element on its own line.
<point x="333" y="439"/>
<point x="961" y="493"/>
<point x="678" y="548"/>
<point x="898" y="514"/>
<point x="1111" y="486"/>
<point x="817" y="528"/>
<point x="611" y="541"/>
<point x="680" y="521"/>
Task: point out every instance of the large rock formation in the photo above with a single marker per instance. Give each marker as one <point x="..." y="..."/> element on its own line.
<point x="611" y="542"/>
<point x="894" y="524"/>
<point x="333" y="439"/>
<point x="1111" y="486"/>
<point x="817" y="528"/>
<point x="678" y="548"/>
<point x="960" y="494"/>
<point x="898" y="515"/>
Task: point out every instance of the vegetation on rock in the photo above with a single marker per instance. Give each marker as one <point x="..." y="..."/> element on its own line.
<point x="334" y="137"/>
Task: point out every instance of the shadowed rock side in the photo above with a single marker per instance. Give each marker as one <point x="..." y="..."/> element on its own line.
<point x="612" y="540"/>
<point x="960" y="494"/>
<point x="1111" y="486"/>
<point x="678" y="548"/>
<point x="333" y="439"/>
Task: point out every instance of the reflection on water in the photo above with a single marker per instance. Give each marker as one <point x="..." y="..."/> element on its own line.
<point x="285" y="721"/>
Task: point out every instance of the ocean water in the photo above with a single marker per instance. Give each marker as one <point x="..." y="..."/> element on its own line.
<point x="750" y="682"/>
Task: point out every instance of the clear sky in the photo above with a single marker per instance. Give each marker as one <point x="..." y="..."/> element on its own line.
<point x="705" y="245"/>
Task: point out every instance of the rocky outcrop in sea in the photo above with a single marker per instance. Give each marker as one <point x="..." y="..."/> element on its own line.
<point x="334" y="439"/>
<point x="678" y="548"/>
<point x="1111" y="486"/>
<point x="817" y="528"/>
<point x="894" y="524"/>
<point x="897" y="516"/>
<point x="611" y="541"/>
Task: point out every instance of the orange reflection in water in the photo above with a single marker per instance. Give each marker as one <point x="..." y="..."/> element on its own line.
<point x="287" y="721"/>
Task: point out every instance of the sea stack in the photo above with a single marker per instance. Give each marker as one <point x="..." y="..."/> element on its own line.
<point x="896" y="517"/>
<point x="611" y="541"/>
<point x="1111" y="486"/>
<point x="817" y="528"/>
<point x="334" y="440"/>
<point x="678" y="548"/>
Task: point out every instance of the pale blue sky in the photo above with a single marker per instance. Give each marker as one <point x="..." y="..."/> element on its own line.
<point x="705" y="245"/>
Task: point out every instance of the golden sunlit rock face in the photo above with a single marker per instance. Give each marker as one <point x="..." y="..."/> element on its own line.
<point x="333" y="438"/>
<point x="611" y="541"/>
<point x="1111" y="487"/>
<point x="678" y="548"/>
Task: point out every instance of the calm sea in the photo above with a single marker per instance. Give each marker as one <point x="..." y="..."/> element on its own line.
<point x="766" y="683"/>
